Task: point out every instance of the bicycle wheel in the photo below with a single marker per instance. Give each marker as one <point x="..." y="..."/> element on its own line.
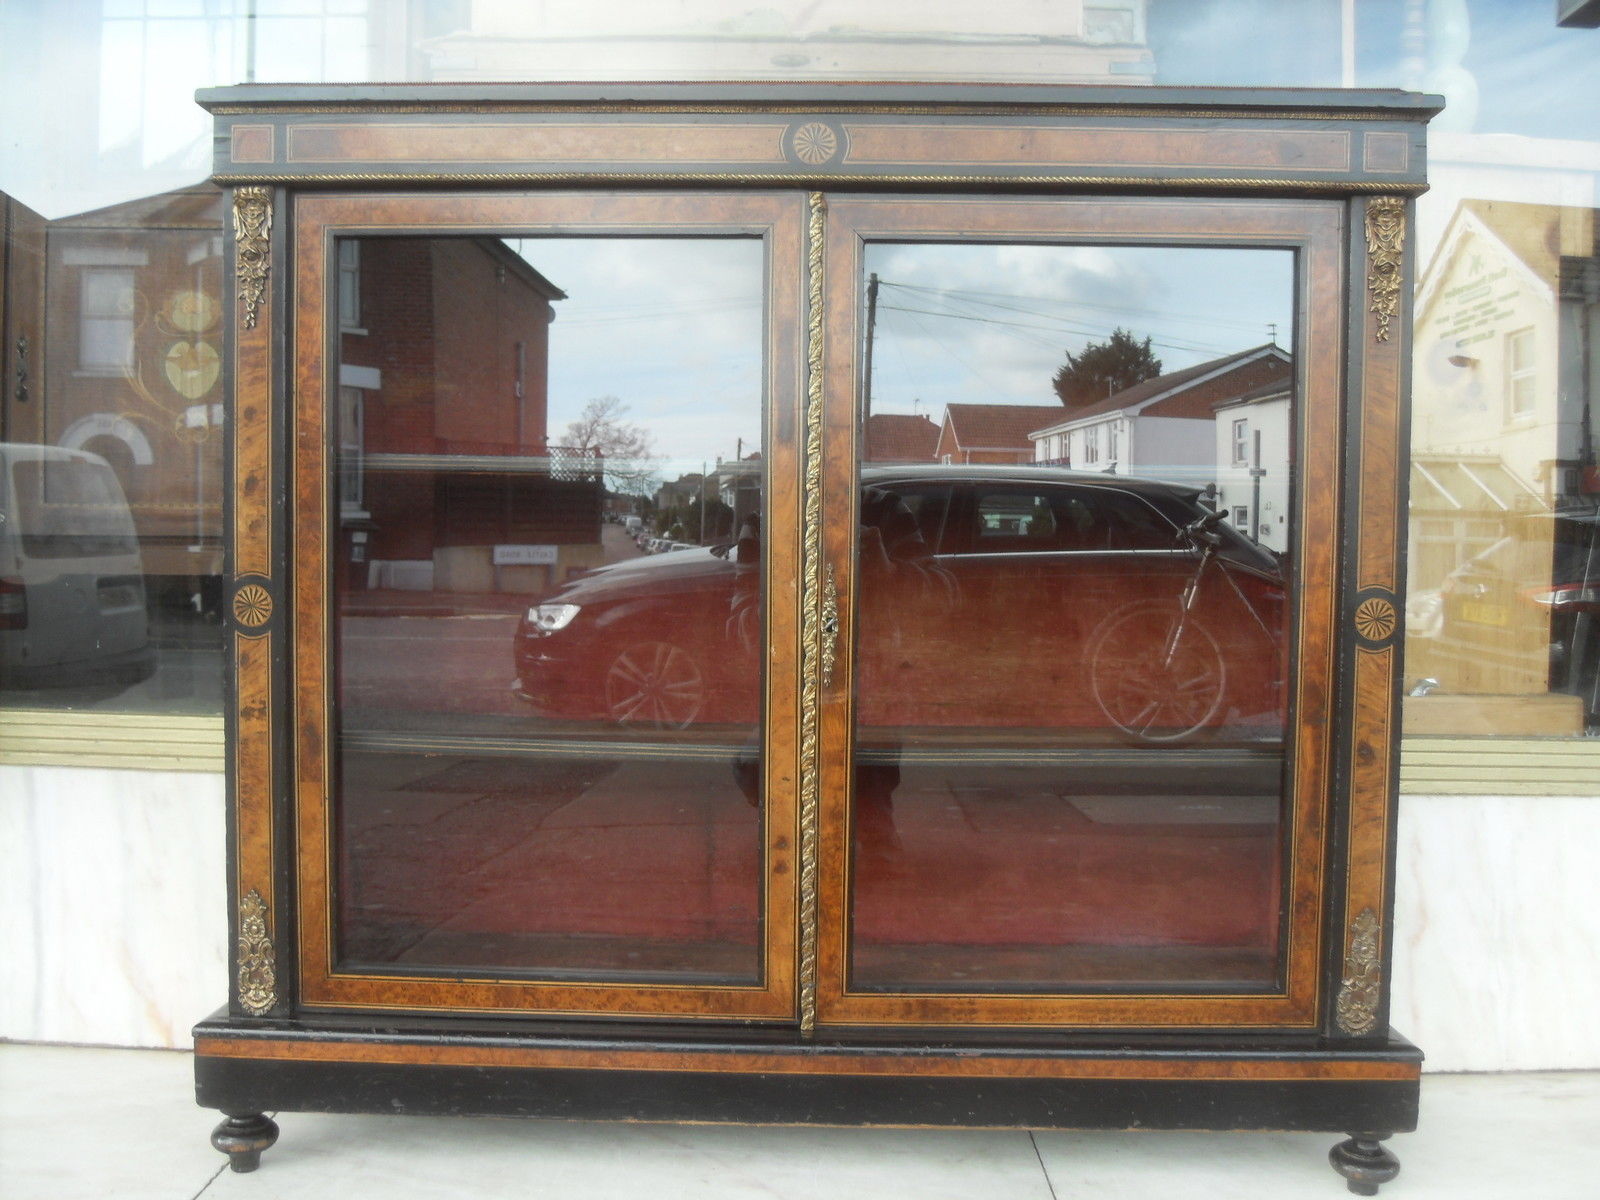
<point x="1142" y="692"/>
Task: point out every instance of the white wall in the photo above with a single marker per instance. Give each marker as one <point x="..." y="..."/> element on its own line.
<point x="1497" y="940"/>
<point x="112" y="922"/>
<point x="1271" y="419"/>
<point x="112" y="893"/>
<point x="1178" y="449"/>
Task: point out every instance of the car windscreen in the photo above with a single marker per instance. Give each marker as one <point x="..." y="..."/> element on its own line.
<point x="70" y="508"/>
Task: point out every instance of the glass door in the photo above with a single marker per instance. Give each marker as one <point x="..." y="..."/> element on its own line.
<point x="1080" y="497"/>
<point x="547" y="749"/>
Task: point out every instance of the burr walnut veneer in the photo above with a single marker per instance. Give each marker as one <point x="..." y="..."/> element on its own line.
<point x="641" y="710"/>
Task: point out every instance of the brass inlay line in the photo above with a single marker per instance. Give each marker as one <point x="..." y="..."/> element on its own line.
<point x="1386" y="237"/>
<point x="1329" y="187"/>
<point x="811" y="626"/>
<point x="258" y="977"/>
<point x="1357" y="1006"/>
<point x="252" y="222"/>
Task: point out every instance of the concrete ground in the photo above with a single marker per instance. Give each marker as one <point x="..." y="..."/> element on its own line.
<point x="95" y="1123"/>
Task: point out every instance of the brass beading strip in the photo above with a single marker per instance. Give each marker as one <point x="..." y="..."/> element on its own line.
<point x="1328" y="187"/>
<point x="811" y="620"/>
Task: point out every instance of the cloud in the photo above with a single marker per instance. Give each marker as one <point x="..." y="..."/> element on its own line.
<point x="674" y="327"/>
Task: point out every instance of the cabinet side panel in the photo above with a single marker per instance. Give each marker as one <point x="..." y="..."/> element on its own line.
<point x="1370" y="660"/>
<point x="259" y="954"/>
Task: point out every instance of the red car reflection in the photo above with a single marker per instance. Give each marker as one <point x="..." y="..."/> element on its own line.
<point x="1017" y="597"/>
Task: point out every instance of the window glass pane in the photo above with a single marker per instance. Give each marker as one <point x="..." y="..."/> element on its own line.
<point x="1504" y="566"/>
<point x="549" y="608"/>
<point x="100" y="115"/>
<point x="115" y="413"/>
<point x="1071" y="683"/>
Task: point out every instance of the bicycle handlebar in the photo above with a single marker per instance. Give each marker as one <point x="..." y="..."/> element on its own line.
<point x="1200" y="529"/>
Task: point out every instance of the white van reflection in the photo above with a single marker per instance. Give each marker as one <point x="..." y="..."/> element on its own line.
<point x="72" y="598"/>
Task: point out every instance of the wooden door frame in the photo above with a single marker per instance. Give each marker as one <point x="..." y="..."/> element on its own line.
<point x="1316" y="231"/>
<point x="318" y="218"/>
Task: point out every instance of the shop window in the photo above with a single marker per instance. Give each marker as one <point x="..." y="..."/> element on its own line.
<point x="115" y="421"/>
<point x="1504" y="369"/>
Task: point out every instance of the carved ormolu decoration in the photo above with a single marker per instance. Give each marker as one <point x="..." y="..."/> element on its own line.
<point x="258" y="977"/>
<point x="252" y="606"/>
<point x="830" y="626"/>
<point x="1357" y="1006"/>
<point x="252" y="222"/>
<point x="1376" y="619"/>
<point x="811" y="627"/>
<point x="1386" y="236"/>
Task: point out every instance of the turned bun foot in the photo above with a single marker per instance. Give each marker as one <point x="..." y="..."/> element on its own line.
<point x="1364" y="1161"/>
<point x="243" y="1139"/>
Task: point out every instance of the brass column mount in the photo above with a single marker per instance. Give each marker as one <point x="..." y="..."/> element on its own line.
<point x="258" y="977"/>
<point x="1357" y="1005"/>
<point x="252" y="223"/>
<point x="830" y="626"/>
<point x="1386" y="239"/>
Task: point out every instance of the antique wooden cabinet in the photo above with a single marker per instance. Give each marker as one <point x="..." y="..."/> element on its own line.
<point x="816" y="604"/>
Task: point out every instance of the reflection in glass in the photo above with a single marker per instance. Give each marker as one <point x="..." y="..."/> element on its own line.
<point x="549" y="606"/>
<point x="1073" y="612"/>
<point x="114" y="412"/>
<point x="1504" y="557"/>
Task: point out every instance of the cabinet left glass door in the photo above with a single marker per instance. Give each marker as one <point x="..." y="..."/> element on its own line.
<point x="541" y="442"/>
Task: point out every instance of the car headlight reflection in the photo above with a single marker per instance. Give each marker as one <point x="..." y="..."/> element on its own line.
<point x="547" y="618"/>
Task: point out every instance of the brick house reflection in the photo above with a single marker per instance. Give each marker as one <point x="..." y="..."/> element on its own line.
<point x="113" y="345"/>
<point x="447" y="478"/>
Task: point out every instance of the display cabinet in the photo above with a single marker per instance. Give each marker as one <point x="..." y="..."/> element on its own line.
<point x="819" y="604"/>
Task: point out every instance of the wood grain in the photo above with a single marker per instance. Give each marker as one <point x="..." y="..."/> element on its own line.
<point x="601" y="142"/>
<point x="797" y="1061"/>
<point x="1028" y="146"/>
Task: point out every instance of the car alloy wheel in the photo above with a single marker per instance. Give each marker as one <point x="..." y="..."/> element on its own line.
<point x="656" y="685"/>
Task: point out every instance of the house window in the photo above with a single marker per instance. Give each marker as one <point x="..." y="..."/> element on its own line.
<point x="351" y="443"/>
<point x="1241" y="442"/>
<point x="105" y="321"/>
<point x="1519" y="375"/>
<point x="349" y="283"/>
<point x="1111" y="443"/>
<point x="1091" y="444"/>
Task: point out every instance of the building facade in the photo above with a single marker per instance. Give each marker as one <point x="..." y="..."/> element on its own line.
<point x="110" y="303"/>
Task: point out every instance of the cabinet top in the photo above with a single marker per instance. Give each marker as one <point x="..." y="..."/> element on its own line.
<point x="824" y="135"/>
<point x="1384" y="103"/>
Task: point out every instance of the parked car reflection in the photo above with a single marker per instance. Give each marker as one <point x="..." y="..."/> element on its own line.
<point x="1519" y="616"/>
<point x="72" y="593"/>
<point x="995" y="597"/>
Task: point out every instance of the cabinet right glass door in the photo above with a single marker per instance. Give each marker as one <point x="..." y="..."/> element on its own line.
<point x="1080" y="507"/>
